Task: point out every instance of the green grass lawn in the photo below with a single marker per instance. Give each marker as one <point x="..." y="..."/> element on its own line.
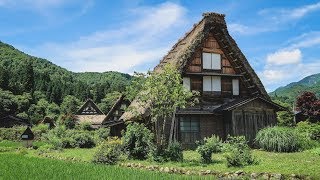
<point x="17" y="166"/>
<point x="303" y="163"/>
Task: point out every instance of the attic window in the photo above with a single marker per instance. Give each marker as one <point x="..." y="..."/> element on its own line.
<point x="211" y="61"/>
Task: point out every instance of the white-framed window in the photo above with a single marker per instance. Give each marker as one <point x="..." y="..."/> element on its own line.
<point x="211" y="61"/>
<point x="212" y="83"/>
<point x="235" y="87"/>
<point x="187" y="83"/>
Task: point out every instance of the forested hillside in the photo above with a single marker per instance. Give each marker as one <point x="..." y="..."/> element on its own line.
<point x="26" y="80"/>
<point x="289" y="92"/>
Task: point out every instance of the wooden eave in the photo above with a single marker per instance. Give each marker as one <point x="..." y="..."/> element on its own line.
<point x="212" y="74"/>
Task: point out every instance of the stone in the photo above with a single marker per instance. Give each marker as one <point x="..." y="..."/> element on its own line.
<point x="240" y="172"/>
<point x="166" y="170"/>
<point x="254" y="175"/>
<point x="208" y="171"/>
<point x="265" y="176"/>
<point x="277" y="176"/>
<point x="188" y="173"/>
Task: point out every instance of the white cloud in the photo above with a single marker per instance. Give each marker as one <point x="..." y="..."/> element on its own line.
<point x="306" y="40"/>
<point x="276" y="76"/>
<point x="302" y="11"/>
<point x="143" y="39"/>
<point x="283" y="57"/>
<point x="273" y="75"/>
<point x="273" y="19"/>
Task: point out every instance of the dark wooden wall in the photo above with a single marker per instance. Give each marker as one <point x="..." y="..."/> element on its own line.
<point x="248" y="119"/>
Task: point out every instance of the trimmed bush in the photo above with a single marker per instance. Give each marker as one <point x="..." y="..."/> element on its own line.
<point x="137" y="141"/>
<point x="108" y="152"/>
<point x="209" y="146"/>
<point x="278" y="139"/>
<point x="237" y="152"/>
<point x="172" y="153"/>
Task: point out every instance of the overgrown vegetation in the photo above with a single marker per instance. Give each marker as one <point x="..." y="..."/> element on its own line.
<point x="237" y="152"/>
<point x="209" y="145"/>
<point x="137" y="141"/>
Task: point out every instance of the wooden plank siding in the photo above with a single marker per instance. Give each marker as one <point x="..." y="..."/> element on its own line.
<point x="248" y="119"/>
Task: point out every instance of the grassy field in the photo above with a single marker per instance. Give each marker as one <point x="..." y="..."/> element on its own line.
<point x="304" y="163"/>
<point x="17" y="166"/>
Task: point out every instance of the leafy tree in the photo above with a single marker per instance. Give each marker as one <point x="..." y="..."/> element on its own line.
<point x="4" y="78"/>
<point x="70" y="105"/>
<point x="7" y="104"/>
<point x="136" y="85"/>
<point x="108" y="101"/>
<point x="28" y="77"/>
<point x="163" y="92"/>
<point x="37" y="112"/>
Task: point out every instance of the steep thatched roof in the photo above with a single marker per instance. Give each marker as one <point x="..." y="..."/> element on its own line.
<point x="184" y="49"/>
<point x="93" y="119"/>
<point x="89" y="107"/>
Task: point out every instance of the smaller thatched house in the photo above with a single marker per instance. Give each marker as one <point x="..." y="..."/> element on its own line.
<point x="112" y="119"/>
<point x="49" y="122"/>
<point x="11" y="121"/>
<point x="89" y="112"/>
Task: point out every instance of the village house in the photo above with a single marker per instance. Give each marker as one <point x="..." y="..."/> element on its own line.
<point x="233" y="99"/>
<point x="90" y="112"/>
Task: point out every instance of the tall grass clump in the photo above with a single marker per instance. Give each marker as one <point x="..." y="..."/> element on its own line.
<point x="279" y="139"/>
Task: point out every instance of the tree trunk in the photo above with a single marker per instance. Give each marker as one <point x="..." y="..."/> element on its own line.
<point x="172" y="126"/>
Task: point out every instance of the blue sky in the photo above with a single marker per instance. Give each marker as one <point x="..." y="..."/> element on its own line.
<point x="281" y="39"/>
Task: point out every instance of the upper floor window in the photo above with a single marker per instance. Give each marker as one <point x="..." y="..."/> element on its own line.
<point x="212" y="83"/>
<point x="211" y="61"/>
<point x="186" y="83"/>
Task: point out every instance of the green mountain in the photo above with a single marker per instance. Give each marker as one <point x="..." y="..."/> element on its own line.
<point x="289" y="92"/>
<point x="21" y="73"/>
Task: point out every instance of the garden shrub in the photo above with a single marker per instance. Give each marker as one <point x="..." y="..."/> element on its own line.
<point x="85" y="126"/>
<point x="278" y="139"/>
<point x="101" y="134"/>
<point x="83" y="140"/>
<point x="158" y="154"/>
<point x="209" y="146"/>
<point x="108" y="152"/>
<point x="173" y="152"/>
<point x="312" y="130"/>
<point x="12" y="134"/>
<point x="237" y="152"/>
<point x="137" y="141"/>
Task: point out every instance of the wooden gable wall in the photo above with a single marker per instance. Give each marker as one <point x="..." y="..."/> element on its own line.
<point x="194" y="66"/>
